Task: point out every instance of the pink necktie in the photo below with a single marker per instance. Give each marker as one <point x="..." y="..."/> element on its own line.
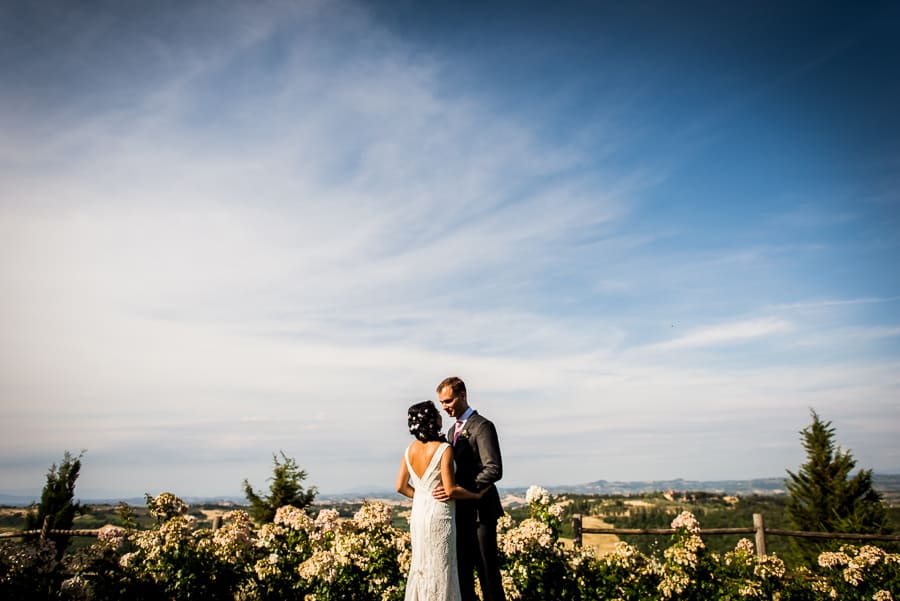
<point x="456" y="430"/>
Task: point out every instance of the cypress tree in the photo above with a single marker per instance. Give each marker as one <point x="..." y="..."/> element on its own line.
<point x="824" y="496"/>
<point x="285" y="489"/>
<point x="57" y="501"/>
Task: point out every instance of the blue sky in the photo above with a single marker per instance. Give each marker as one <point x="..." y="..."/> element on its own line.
<point x="649" y="237"/>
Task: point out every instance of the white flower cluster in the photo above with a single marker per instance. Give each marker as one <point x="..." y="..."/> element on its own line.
<point x="403" y="549"/>
<point x="504" y="523"/>
<point x="328" y="520"/>
<point x="267" y="536"/>
<point x="854" y="562"/>
<point x="829" y="559"/>
<point x="742" y="554"/>
<point x="682" y="557"/>
<point x="687" y="521"/>
<point x="510" y="588"/>
<point x="673" y="584"/>
<point x="234" y="536"/>
<point x="166" y="505"/>
<point x="293" y="518"/>
<point x="686" y="554"/>
<point x="82" y="559"/>
<point x="267" y="567"/>
<point x="582" y="556"/>
<point x="557" y="510"/>
<point x="111" y="536"/>
<point x="321" y="565"/>
<point x="750" y="589"/>
<point x="75" y="588"/>
<point x="623" y="555"/>
<point x="820" y="585"/>
<point x="537" y="494"/>
<point x="128" y="560"/>
<point x="328" y="546"/>
<point x="173" y="536"/>
<point x="868" y="556"/>
<point x="373" y="515"/>
<point x="176" y="533"/>
<point x="510" y="578"/>
<point x="769" y="567"/>
<point x="882" y="595"/>
<point x="20" y="557"/>
<point x="530" y="534"/>
<point x="352" y="548"/>
<point x="270" y="537"/>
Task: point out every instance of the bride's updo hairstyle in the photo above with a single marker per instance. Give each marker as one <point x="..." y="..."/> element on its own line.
<point x="425" y="422"/>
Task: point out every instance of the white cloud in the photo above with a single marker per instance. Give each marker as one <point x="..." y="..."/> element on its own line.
<point x="824" y="304"/>
<point x="724" y="334"/>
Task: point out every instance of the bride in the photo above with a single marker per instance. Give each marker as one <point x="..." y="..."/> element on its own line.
<point x="427" y="462"/>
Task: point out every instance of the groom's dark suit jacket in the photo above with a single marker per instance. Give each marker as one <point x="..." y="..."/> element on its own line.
<point x="478" y="465"/>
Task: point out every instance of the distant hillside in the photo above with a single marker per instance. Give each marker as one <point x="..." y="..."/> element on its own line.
<point x="758" y="486"/>
<point x="886" y="484"/>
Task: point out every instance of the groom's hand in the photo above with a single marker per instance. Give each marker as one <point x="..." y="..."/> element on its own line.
<point x="440" y="494"/>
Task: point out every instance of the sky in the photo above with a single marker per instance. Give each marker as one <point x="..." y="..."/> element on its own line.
<point x="650" y="236"/>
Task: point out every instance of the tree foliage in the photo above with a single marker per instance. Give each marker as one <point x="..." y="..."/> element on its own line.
<point x="57" y="500"/>
<point x="824" y="496"/>
<point x="285" y="489"/>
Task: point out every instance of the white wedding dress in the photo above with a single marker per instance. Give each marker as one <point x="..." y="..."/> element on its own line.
<point x="432" y="529"/>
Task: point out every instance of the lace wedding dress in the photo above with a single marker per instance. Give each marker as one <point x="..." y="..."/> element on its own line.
<point x="432" y="529"/>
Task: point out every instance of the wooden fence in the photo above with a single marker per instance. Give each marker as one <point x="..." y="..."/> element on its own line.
<point x="46" y="530"/>
<point x="759" y="531"/>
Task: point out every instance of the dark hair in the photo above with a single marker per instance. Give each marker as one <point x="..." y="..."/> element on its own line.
<point x="457" y="386"/>
<point x="425" y="422"/>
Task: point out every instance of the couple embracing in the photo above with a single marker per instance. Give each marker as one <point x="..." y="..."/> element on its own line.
<point x="453" y="524"/>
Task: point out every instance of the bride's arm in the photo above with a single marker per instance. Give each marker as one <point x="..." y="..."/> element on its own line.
<point x="403" y="486"/>
<point x="448" y="480"/>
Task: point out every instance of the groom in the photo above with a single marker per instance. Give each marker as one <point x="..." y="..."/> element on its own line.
<point x="476" y="451"/>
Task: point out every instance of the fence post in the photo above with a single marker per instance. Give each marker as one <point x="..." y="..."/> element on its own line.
<point x="576" y="527"/>
<point x="45" y="527"/>
<point x="216" y="523"/>
<point x="760" y="528"/>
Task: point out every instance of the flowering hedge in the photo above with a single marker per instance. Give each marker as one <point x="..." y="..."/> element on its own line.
<point x="366" y="558"/>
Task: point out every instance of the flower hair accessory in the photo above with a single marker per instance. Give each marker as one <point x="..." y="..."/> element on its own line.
<point x="424" y="422"/>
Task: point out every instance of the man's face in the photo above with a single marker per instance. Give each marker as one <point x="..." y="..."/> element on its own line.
<point x="454" y="405"/>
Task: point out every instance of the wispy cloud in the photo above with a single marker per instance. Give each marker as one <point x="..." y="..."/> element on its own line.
<point x="831" y="303"/>
<point x="811" y="216"/>
<point x="724" y="334"/>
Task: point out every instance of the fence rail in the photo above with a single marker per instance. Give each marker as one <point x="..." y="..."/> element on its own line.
<point x="759" y="530"/>
<point x="46" y="531"/>
<point x="26" y="533"/>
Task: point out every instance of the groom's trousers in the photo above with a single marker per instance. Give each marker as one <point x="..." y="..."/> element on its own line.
<point x="477" y="550"/>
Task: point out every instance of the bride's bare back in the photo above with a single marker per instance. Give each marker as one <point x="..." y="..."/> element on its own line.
<point x="420" y="455"/>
